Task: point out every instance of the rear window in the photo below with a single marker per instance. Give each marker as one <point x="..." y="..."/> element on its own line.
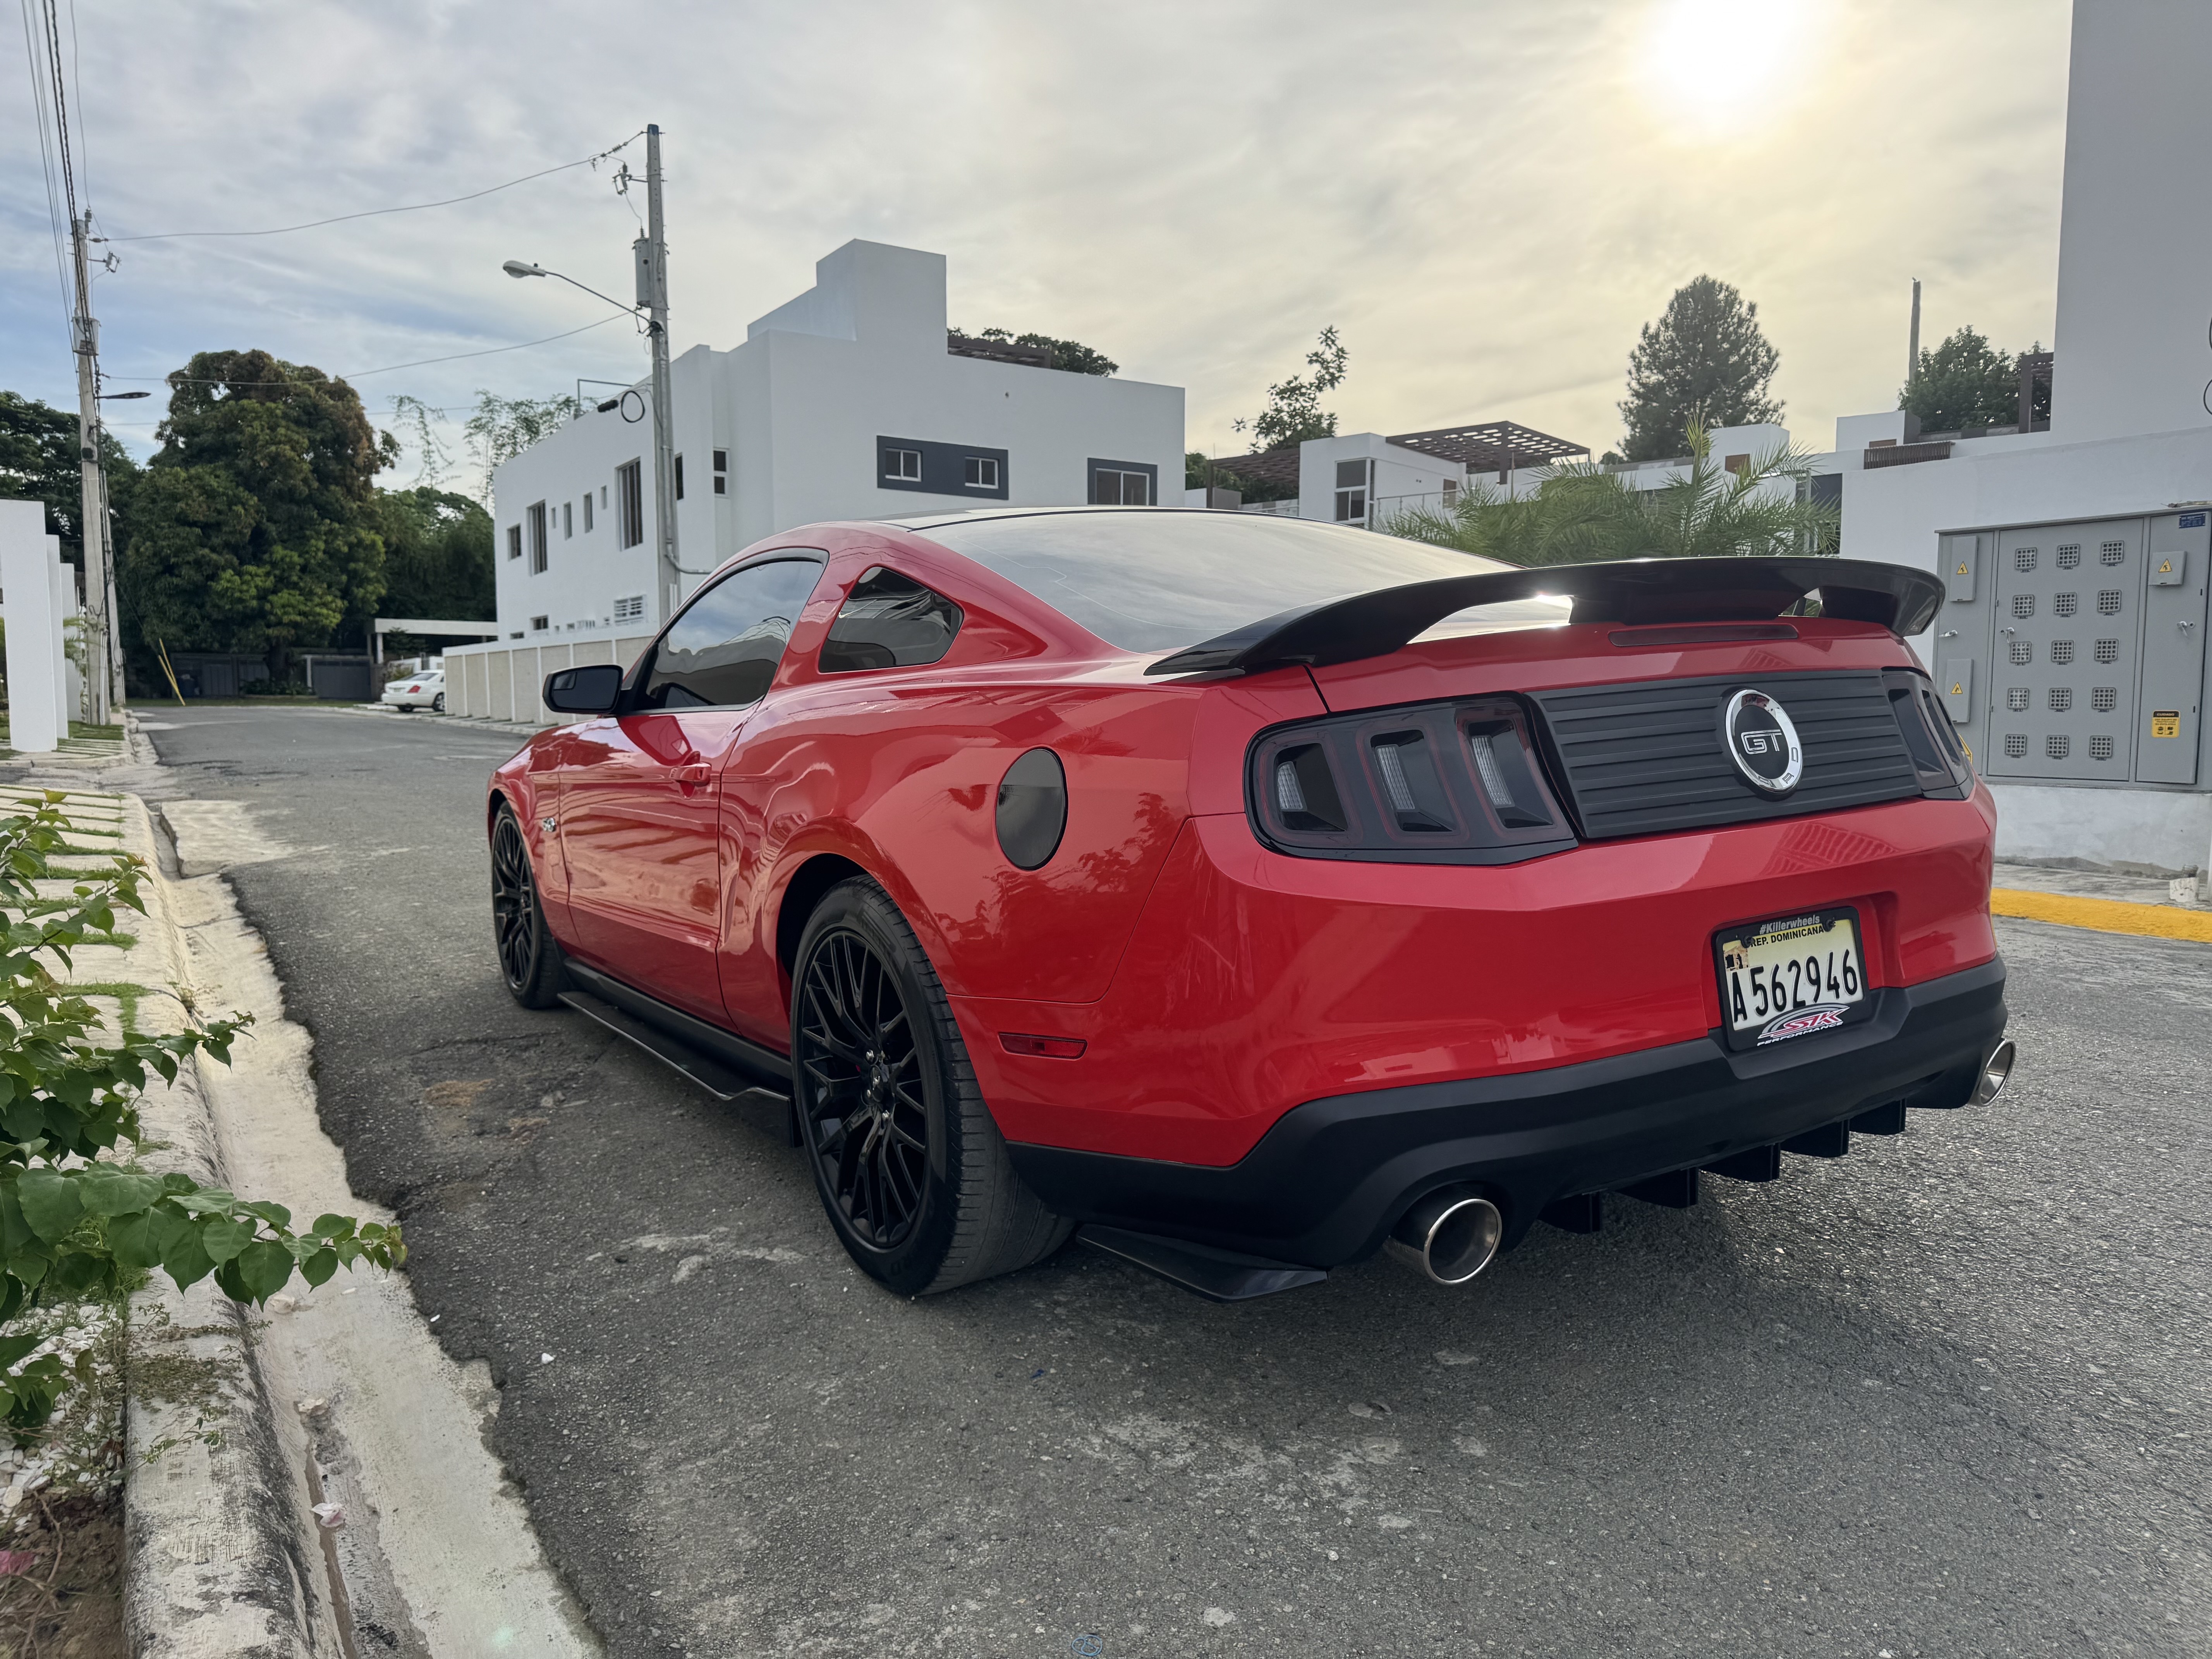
<point x="1160" y="579"/>
<point x="889" y="621"/>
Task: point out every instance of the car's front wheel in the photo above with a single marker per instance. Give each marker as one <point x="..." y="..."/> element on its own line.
<point x="911" y="1168"/>
<point x="529" y="957"/>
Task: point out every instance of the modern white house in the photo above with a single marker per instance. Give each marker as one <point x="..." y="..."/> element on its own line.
<point x="2071" y="647"/>
<point x="1365" y="477"/>
<point x="852" y="401"/>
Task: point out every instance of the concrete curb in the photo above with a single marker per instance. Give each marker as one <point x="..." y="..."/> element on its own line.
<point x="220" y="1551"/>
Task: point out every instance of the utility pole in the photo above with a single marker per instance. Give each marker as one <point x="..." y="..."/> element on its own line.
<point x="652" y="253"/>
<point x="1912" y="345"/>
<point x="92" y="519"/>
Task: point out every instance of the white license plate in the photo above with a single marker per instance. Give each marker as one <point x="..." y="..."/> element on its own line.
<point x="1791" y="976"/>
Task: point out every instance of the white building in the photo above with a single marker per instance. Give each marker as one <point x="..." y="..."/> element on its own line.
<point x="850" y="401"/>
<point x="2114" y="770"/>
<point x="1363" y="478"/>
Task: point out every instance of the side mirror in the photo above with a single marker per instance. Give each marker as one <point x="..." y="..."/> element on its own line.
<point x="588" y="690"/>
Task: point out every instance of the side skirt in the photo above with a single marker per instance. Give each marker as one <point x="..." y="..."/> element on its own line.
<point x="726" y="1066"/>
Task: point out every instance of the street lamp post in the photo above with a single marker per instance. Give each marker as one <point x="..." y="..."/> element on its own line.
<point x="652" y="256"/>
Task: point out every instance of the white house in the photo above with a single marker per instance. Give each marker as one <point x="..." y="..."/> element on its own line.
<point x="851" y="401"/>
<point x="2071" y="646"/>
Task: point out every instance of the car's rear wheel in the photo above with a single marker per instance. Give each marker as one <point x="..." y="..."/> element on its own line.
<point x="438" y="703"/>
<point x="912" y="1170"/>
<point x="529" y="957"/>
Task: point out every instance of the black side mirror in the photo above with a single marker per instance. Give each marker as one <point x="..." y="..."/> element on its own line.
<point x="589" y="690"/>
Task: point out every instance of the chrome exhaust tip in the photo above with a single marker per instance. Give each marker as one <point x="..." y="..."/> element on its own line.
<point x="1994" y="1070"/>
<point x="1450" y="1237"/>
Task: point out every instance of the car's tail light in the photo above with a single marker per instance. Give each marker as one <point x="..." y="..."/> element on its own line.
<point x="1433" y="783"/>
<point x="1938" y="757"/>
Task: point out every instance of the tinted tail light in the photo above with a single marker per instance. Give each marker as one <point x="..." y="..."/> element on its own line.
<point x="1433" y="783"/>
<point x="1938" y="757"/>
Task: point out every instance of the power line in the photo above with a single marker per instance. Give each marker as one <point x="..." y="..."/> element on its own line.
<point x="39" y="101"/>
<point x="373" y="213"/>
<point x="363" y="374"/>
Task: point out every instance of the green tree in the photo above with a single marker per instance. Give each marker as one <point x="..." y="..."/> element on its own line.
<point x="1070" y="356"/>
<point x="1966" y="382"/>
<point x="257" y="527"/>
<point x="1580" y="512"/>
<point x="1294" y="413"/>
<point x="1705" y="362"/>
<point x="437" y="555"/>
<point x="503" y="428"/>
<point x="38" y="462"/>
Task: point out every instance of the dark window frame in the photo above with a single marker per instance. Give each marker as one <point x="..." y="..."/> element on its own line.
<point x="534" y="517"/>
<point x="944" y="469"/>
<point x="629" y="505"/>
<point x="1097" y="464"/>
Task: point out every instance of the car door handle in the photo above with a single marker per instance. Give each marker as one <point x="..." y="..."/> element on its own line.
<point x="693" y="774"/>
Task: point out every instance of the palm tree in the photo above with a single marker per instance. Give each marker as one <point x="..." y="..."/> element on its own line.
<point x="1579" y="511"/>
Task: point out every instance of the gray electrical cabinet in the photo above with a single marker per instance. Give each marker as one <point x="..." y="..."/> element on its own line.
<point x="2073" y="651"/>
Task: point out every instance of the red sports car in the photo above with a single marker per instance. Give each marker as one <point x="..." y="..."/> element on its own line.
<point x="1252" y="893"/>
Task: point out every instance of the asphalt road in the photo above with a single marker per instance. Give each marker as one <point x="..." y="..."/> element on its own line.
<point x="1947" y="1396"/>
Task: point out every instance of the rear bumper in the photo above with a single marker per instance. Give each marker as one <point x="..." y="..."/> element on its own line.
<point x="1325" y="1183"/>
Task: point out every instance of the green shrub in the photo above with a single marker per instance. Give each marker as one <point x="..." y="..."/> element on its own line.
<point x="77" y="1218"/>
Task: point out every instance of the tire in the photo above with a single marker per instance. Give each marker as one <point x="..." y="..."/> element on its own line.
<point x="529" y="955"/>
<point x="438" y="703"/>
<point x="912" y="1171"/>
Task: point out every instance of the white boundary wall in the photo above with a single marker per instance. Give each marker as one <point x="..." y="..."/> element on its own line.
<point x="504" y="682"/>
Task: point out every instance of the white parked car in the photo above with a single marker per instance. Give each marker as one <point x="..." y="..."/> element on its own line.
<point x="424" y="690"/>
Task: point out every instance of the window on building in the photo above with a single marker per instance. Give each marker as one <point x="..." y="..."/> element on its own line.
<point x="903" y="465"/>
<point x="1451" y="494"/>
<point x="539" y="624"/>
<point x="721" y="472"/>
<point x="981" y="472"/>
<point x="603" y="496"/>
<point x="533" y="517"/>
<point x="568" y="520"/>
<point x="1123" y="484"/>
<point x="515" y="541"/>
<point x="1351" y="492"/>
<point x="723" y="650"/>
<point x="679" y="478"/>
<point x="630" y="608"/>
<point x="629" y="505"/>
<point x="587" y="512"/>
<point x="889" y="621"/>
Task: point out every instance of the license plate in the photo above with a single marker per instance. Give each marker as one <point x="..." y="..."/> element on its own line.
<point x="1791" y="976"/>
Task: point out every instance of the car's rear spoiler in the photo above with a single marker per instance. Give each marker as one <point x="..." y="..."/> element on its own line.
<point x="1631" y="591"/>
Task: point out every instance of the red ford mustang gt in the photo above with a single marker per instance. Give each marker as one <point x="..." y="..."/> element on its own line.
<point x="1252" y="894"/>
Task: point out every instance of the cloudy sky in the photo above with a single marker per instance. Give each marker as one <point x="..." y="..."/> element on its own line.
<point x="1486" y="199"/>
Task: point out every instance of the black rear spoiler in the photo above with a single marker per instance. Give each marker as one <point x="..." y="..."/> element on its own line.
<point x="1630" y="591"/>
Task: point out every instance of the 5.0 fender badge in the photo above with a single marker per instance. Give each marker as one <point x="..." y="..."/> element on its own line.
<point x="1762" y="742"/>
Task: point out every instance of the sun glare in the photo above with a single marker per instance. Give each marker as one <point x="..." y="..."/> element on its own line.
<point x="1719" y="67"/>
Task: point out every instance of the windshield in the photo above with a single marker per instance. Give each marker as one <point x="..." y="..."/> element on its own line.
<point x="1157" y="580"/>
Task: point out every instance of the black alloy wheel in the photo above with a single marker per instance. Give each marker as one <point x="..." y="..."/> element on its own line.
<point x="529" y="958"/>
<point x="868" y="1122"/>
<point x="911" y="1168"/>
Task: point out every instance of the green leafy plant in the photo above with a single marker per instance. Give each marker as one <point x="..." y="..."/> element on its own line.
<point x="1579" y="511"/>
<point x="77" y="1218"/>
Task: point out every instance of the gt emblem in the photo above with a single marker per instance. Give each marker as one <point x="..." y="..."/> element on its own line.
<point x="1762" y="742"/>
<point x="546" y="824"/>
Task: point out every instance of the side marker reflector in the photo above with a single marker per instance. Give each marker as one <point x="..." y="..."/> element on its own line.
<point x="1042" y="1048"/>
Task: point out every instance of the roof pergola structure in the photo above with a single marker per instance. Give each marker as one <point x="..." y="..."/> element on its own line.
<point x="1483" y="446"/>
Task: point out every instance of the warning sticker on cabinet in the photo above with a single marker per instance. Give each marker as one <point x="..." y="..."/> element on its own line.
<point x="2166" y="722"/>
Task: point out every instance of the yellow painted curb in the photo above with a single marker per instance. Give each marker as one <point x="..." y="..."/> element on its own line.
<point x="2105" y="915"/>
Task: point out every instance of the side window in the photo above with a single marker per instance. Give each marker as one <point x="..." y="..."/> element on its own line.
<point x="889" y="621"/>
<point x="722" y="652"/>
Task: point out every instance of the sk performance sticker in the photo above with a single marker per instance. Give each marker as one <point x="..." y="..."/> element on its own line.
<point x="1825" y="1018"/>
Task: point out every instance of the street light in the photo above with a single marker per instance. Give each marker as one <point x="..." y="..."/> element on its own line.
<point x="117" y="397"/>
<point x="652" y="308"/>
